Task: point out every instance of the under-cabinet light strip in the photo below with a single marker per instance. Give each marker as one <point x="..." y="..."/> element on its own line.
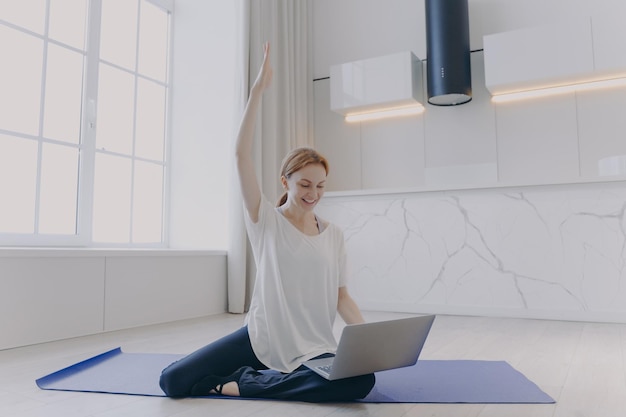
<point x="385" y="113"/>
<point x="550" y="91"/>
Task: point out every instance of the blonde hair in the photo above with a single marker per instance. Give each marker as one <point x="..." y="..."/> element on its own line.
<point x="295" y="161"/>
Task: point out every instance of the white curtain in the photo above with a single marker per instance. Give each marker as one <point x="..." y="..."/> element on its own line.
<point x="285" y="118"/>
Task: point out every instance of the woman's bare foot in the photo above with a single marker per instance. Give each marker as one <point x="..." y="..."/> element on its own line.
<point x="230" y="389"/>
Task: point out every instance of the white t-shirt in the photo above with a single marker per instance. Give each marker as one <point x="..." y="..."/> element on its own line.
<point x="294" y="303"/>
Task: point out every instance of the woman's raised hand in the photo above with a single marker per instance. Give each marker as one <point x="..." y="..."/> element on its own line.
<point x="250" y="190"/>
<point x="264" y="78"/>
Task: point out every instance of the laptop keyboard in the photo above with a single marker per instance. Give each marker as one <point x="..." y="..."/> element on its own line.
<point x="325" y="368"/>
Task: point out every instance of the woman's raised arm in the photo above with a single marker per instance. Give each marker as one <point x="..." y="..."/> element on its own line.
<point x="250" y="189"/>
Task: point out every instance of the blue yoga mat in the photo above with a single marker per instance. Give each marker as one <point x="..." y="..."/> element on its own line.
<point x="429" y="381"/>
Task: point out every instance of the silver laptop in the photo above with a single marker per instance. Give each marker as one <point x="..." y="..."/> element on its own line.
<point x="372" y="347"/>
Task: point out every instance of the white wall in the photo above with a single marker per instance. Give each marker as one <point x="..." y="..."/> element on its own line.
<point x="203" y="123"/>
<point x="485" y="245"/>
<point x="56" y="294"/>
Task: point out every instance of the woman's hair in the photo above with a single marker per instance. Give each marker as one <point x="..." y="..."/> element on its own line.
<point x="295" y="161"/>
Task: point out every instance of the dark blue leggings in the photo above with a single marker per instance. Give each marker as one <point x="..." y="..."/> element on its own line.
<point x="228" y="354"/>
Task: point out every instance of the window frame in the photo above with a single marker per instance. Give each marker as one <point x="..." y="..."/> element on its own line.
<point x="86" y="145"/>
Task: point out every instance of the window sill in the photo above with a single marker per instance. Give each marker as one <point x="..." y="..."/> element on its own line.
<point x="22" y="252"/>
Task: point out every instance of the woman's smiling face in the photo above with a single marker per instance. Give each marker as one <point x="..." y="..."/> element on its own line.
<point x="305" y="187"/>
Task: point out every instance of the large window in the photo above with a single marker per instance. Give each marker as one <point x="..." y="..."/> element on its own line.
<point x="84" y="88"/>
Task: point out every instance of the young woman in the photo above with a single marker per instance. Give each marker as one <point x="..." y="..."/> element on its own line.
<point x="300" y="286"/>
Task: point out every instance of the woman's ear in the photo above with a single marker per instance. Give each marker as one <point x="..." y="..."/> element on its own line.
<point x="283" y="180"/>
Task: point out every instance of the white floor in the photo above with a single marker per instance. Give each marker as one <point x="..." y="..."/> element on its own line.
<point x="581" y="365"/>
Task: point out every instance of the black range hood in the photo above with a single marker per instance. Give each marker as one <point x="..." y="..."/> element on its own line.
<point x="448" y="69"/>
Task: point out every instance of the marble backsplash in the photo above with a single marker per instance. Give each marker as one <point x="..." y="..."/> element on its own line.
<point x="553" y="252"/>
